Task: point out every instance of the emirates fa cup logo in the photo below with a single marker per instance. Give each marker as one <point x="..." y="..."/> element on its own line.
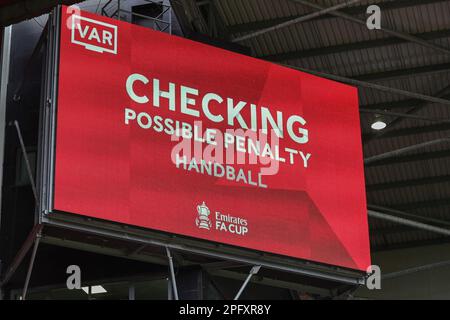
<point x="202" y="221"/>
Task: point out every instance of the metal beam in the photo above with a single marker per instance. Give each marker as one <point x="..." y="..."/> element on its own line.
<point x="5" y="56"/>
<point x="271" y="282"/>
<point x="31" y="265"/>
<point x="101" y="249"/>
<point x="220" y="27"/>
<point x="443" y="93"/>
<point x="357" y="10"/>
<point x="345" y="48"/>
<point x="268" y="263"/>
<point x="222" y="265"/>
<point x="408" y="222"/>
<point x="426" y="156"/>
<point x="406" y="103"/>
<point x="397" y="230"/>
<point x="304" y="18"/>
<point x="390" y="230"/>
<point x="404" y="115"/>
<point x="409" y="271"/>
<point x="437" y="240"/>
<point x="27" y="162"/>
<point x="411" y="131"/>
<point x="424" y="204"/>
<point x="402" y="73"/>
<point x="131" y="291"/>
<point x="407" y="215"/>
<point x="372" y="85"/>
<point x="31" y="62"/>
<point x="172" y="274"/>
<point x="397" y="152"/>
<point x="21" y="254"/>
<point x="254" y="270"/>
<point x="401" y="35"/>
<point x="191" y="16"/>
<point x="381" y="232"/>
<point x="408" y="183"/>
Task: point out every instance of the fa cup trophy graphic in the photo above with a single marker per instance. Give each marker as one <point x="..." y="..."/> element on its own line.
<point x="202" y="221"/>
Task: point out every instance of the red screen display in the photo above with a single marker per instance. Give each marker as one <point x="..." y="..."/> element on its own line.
<point x="164" y="133"/>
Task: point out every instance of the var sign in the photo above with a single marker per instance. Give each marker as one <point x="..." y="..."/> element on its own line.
<point x="94" y="35"/>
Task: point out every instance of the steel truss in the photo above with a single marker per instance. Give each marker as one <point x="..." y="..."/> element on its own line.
<point x="162" y="22"/>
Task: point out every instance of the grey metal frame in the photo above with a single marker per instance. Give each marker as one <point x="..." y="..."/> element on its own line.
<point x="46" y="144"/>
<point x="398" y="152"/>
<point x="172" y="274"/>
<point x="131" y="281"/>
<point x="31" y="265"/>
<point x="203" y="248"/>
<point x="408" y="222"/>
<point x="27" y="162"/>
<point x="32" y="238"/>
<point x="254" y="270"/>
<point x="167" y="26"/>
<point x="4" y="78"/>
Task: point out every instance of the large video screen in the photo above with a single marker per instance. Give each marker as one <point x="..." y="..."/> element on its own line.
<point x="164" y="133"/>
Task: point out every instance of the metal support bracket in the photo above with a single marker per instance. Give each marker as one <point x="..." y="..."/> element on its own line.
<point x="27" y="162"/>
<point x="401" y="151"/>
<point x="131" y="291"/>
<point x="412" y="270"/>
<point x="33" y="235"/>
<point x="31" y="265"/>
<point x="172" y="274"/>
<point x="252" y="272"/>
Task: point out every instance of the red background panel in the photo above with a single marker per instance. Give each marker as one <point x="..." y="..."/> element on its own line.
<point x="123" y="173"/>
